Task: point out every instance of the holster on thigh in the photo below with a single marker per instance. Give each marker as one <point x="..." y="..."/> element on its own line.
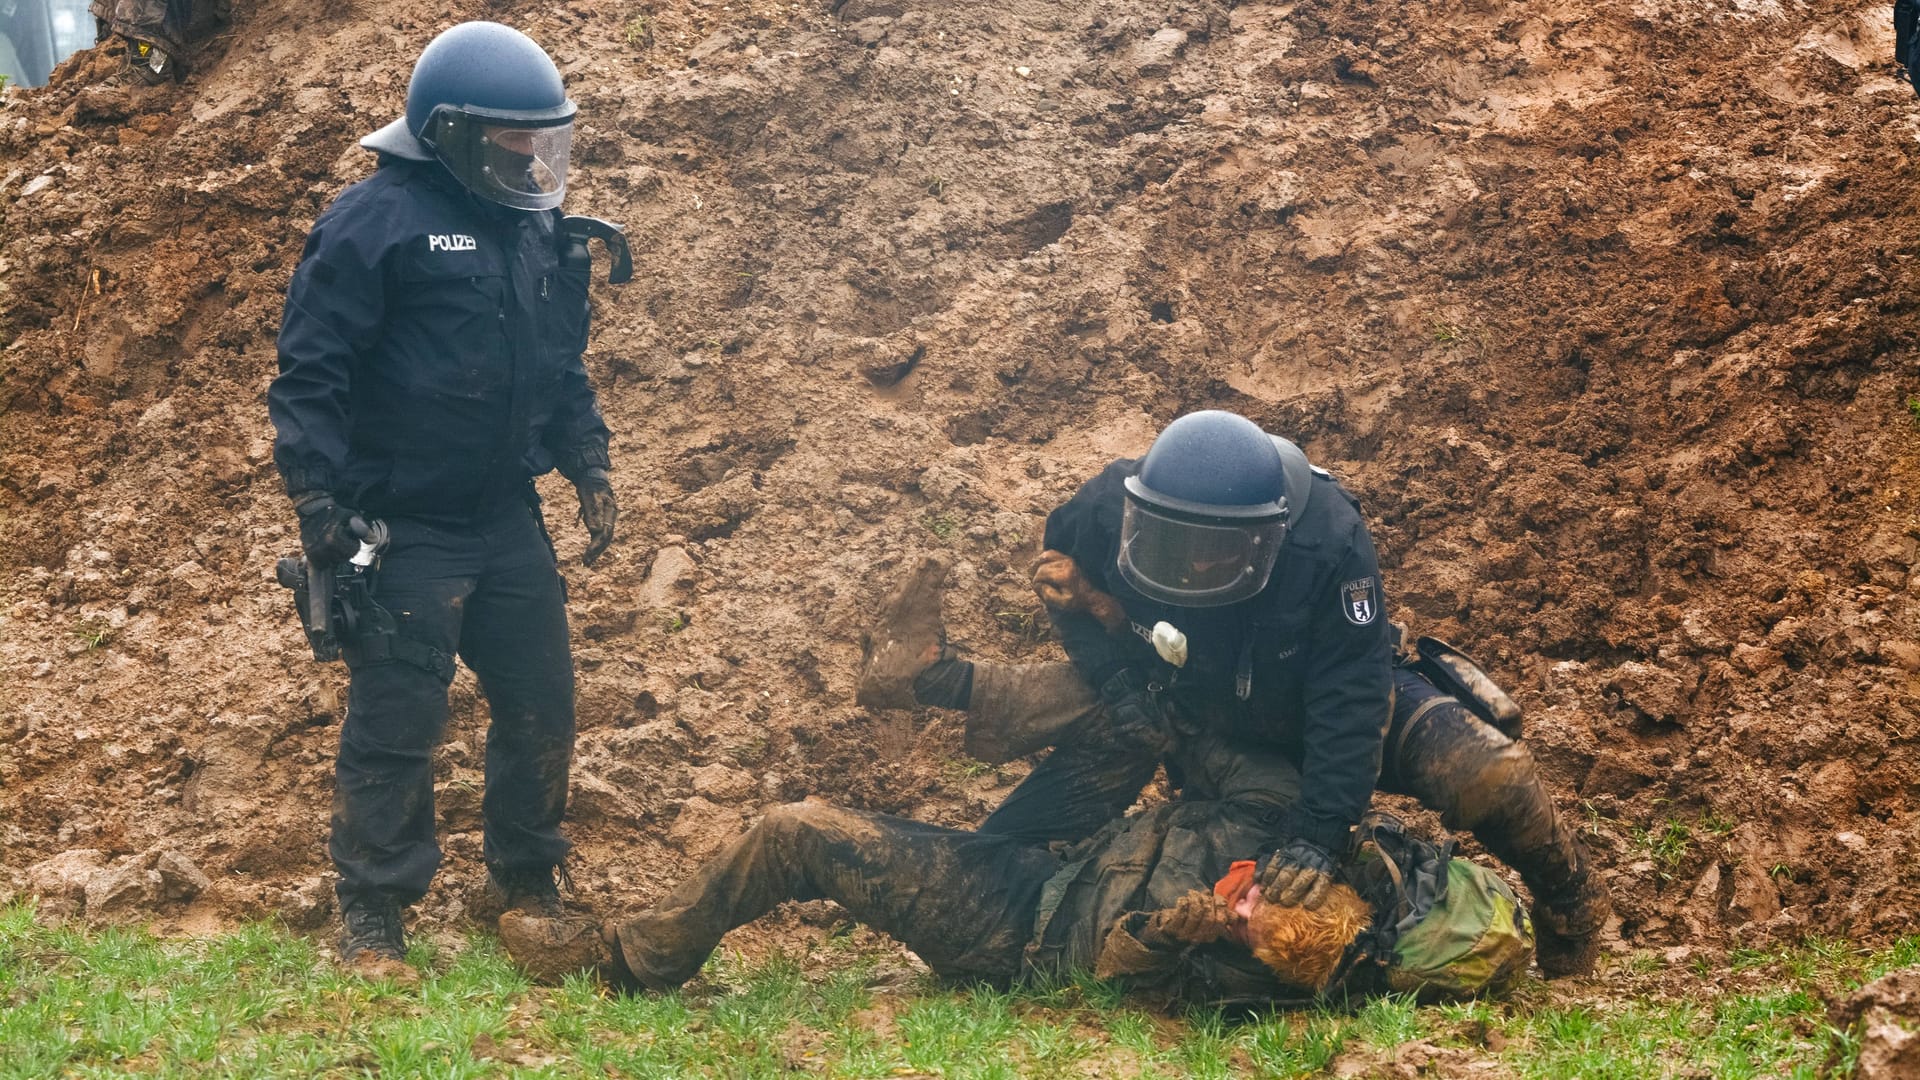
<point x="1021" y="709"/>
<point x="377" y="640"/>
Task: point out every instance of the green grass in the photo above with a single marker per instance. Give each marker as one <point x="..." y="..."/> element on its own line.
<point x="944" y="525"/>
<point x="260" y="1002"/>
<point x="1666" y="843"/>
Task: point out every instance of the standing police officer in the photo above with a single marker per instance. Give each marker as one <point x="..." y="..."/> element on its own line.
<point x="1223" y="585"/>
<point x="430" y="368"/>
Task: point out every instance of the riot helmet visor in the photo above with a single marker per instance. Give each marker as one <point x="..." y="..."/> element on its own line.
<point x="1189" y="563"/>
<point x="509" y="160"/>
<point x="528" y="164"/>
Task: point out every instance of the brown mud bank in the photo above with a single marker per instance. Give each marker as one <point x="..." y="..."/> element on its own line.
<point x="1606" y="311"/>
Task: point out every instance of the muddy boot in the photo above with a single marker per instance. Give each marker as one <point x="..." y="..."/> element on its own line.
<point x="908" y="639"/>
<point x="1567" y="922"/>
<point x="549" y="950"/>
<point x="374" y="946"/>
<point x="530" y="892"/>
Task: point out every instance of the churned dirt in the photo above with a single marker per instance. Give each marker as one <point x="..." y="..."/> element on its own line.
<point x="1606" y="310"/>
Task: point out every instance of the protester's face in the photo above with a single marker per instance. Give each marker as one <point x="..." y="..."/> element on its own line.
<point x="1243" y="910"/>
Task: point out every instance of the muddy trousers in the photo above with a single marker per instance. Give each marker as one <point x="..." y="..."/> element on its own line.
<point x="962" y="901"/>
<point x="1477" y="779"/>
<point x="491" y="594"/>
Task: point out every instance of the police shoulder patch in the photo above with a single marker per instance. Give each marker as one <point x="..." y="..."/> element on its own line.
<point x="1360" y="600"/>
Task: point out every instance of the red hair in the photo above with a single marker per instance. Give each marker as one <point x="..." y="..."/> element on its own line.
<point x="1304" y="946"/>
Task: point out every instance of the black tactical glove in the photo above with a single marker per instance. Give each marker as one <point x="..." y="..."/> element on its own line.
<point x="326" y="528"/>
<point x="597" y="511"/>
<point x="1298" y="875"/>
<point x="1135" y="715"/>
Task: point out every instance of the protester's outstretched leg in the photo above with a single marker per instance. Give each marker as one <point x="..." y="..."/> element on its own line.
<point x="1021" y="709"/>
<point x="1485" y="783"/>
<point x="1012" y="709"/>
<point x="962" y="901"/>
<point x="906" y="641"/>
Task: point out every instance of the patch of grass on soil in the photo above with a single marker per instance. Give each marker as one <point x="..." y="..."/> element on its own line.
<point x="261" y="1002"/>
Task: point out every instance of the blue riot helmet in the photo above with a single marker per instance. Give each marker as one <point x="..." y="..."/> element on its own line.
<point x="1206" y="514"/>
<point x="488" y="104"/>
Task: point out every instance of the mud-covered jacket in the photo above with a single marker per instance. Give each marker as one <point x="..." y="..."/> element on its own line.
<point x="430" y="352"/>
<point x="1142" y="864"/>
<point x="1305" y="667"/>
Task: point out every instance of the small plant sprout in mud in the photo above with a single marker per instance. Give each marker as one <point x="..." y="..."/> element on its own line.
<point x="1597" y="820"/>
<point x="944" y="524"/>
<point x="958" y="770"/>
<point x="1446" y="333"/>
<point x="640" y="32"/>
<point x="1030" y="627"/>
<point x="1913" y="409"/>
<point x="1667" y="844"/>
<point x="92" y="632"/>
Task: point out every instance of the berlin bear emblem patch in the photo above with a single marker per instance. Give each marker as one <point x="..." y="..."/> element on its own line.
<point x="1362" y="600"/>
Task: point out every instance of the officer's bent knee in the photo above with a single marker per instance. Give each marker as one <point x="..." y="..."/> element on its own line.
<point x="1491" y="781"/>
<point x="795" y="817"/>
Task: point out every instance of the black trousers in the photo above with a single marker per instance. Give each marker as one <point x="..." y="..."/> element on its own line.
<point x="963" y="902"/>
<point x="491" y="594"/>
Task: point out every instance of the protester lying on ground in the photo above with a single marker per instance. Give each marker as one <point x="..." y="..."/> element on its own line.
<point x="1221" y="584"/>
<point x="1158" y="900"/>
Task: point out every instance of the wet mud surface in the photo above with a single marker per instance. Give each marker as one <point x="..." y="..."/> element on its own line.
<point x="1606" y="312"/>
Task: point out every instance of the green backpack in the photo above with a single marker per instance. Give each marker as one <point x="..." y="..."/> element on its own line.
<point x="1444" y="927"/>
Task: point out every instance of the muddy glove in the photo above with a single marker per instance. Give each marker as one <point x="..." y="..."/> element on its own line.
<point x="1198" y="918"/>
<point x="1058" y="582"/>
<point x="597" y="511"/>
<point x="1136" y="718"/>
<point x="1297" y="875"/>
<point x="326" y="528"/>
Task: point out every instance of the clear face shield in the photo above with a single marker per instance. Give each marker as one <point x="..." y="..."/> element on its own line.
<point x="525" y="167"/>
<point x="512" y="161"/>
<point x="1188" y="563"/>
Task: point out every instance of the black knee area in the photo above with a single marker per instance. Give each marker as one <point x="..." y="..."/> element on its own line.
<point x="947" y="683"/>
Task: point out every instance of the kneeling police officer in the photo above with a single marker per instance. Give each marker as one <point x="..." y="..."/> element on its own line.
<point x="1222" y="585"/>
<point x="430" y="368"/>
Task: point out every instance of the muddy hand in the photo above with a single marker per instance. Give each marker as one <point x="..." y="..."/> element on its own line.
<point x="1058" y="582"/>
<point x="1197" y="918"/>
<point x="597" y="511"/>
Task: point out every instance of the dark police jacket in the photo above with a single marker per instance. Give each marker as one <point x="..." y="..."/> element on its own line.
<point x="1305" y="667"/>
<point x="430" y="352"/>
